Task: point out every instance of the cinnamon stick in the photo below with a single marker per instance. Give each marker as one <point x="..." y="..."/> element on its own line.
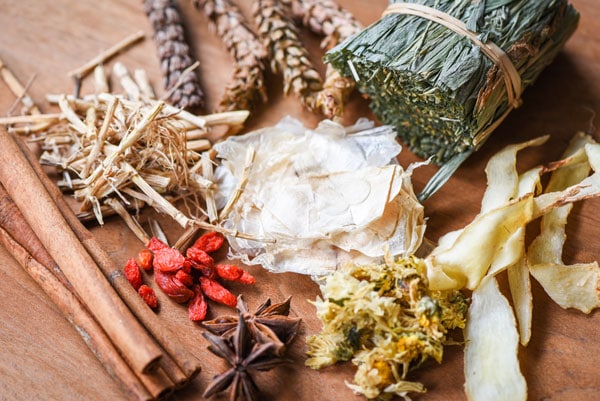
<point x="13" y="222"/>
<point x="93" y="335"/>
<point x="26" y="248"/>
<point x="184" y="359"/>
<point x="158" y="383"/>
<point x="44" y="217"/>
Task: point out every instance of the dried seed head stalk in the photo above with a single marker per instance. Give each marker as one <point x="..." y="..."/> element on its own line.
<point x="181" y="84"/>
<point x="286" y="51"/>
<point x="327" y="18"/>
<point x="245" y="47"/>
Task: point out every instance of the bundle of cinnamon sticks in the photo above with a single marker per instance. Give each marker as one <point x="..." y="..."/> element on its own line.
<point x="44" y="235"/>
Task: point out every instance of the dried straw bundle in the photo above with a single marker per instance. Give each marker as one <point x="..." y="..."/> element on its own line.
<point x="119" y="152"/>
<point x="443" y="88"/>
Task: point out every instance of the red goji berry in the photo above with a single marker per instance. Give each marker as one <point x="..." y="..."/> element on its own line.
<point x="168" y="260"/>
<point x="229" y="272"/>
<point x="210" y="242"/>
<point x="155" y="244"/>
<point x="204" y="270"/>
<point x="133" y="273"/>
<point x="200" y="256"/>
<point x="217" y="292"/>
<point x="187" y="266"/>
<point x="198" y="306"/>
<point x="186" y="278"/>
<point x="247" y="278"/>
<point x="145" y="259"/>
<point x="148" y="295"/>
<point x="172" y="287"/>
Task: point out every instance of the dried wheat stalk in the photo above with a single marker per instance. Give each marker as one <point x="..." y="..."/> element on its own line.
<point x="286" y="52"/>
<point x="329" y="19"/>
<point x="247" y="86"/>
<point x="183" y="88"/>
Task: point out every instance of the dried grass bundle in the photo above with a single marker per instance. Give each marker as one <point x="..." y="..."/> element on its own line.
<point x="121" y="152"/>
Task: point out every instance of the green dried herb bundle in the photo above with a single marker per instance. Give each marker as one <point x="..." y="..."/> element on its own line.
<point x="438" y="88"/>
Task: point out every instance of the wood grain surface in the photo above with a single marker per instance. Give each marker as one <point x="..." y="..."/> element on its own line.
<point x="43" y="358"/>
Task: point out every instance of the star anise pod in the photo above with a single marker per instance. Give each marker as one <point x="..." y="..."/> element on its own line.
<point x="270" y="323"/>
<point x="243" y="355"/>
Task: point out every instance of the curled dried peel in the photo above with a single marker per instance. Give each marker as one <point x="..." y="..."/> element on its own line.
<point x="574" y="286"/>
<point x="518" y="274"/>
<point x="520" y="291"/>
<point x="468" y="259"/>
<point x="502" y="176"/>
<point x="494" y="241"/>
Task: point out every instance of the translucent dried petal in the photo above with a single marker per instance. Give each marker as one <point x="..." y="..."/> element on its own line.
<point x="324" y="196"/>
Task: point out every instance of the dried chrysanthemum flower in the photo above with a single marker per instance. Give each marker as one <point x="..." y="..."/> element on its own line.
<point x="386" y="320"/>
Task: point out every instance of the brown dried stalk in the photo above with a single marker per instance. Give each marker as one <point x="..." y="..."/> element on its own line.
<point x="328" y="18"/>
<point x="247" y="86"/>
<point x="182" y="85"/>
<point x="286" y="52"/>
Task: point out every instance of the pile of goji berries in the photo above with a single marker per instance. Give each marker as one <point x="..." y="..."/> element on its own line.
<point x="188" y="278"/>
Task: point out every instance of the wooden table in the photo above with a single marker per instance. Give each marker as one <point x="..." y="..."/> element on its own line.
<point x="43" y="358"/>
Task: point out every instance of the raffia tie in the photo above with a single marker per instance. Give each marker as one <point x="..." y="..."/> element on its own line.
<point x="512" y="79"/>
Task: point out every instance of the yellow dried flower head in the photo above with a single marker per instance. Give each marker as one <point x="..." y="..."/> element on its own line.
<point x="386" y="320"/>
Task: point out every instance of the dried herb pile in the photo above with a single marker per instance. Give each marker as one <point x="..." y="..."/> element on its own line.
<point x="436" y="86"/>
<point x="386" y="320"/>
<point x="272" y="40"/>
<point x="119" y="152"/>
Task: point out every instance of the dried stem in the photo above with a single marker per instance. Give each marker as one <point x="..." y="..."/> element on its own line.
<point x="46" y="119"/>
<point x="100" y="80"/>
<point x="329" y="19"/>
<point x="240" y="187"/>
<point x="21" y="93"/>
<point x="84" y="70"/>
<point x="17" y="89"/>
<point x="133" y="224"/>
<point x="97" y="147"/>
